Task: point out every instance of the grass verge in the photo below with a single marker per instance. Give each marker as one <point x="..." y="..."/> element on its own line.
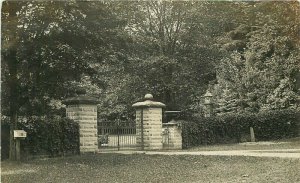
<point x="152" y="168"/>
<point x="293" y="143"/>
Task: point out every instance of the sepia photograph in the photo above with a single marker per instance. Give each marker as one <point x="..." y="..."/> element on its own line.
<point x="158" y="91"/>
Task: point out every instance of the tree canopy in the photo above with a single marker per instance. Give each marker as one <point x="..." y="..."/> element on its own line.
<point x="260" y="71"/>
<point x="246" y="53"/>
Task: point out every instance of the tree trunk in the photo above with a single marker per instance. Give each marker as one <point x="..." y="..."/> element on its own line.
<point x="12" y="142"/>
<point x="11" y="59"/>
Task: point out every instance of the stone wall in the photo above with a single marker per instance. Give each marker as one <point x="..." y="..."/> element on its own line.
<point x="171" y="133"/>
<point x="86" y="116"/>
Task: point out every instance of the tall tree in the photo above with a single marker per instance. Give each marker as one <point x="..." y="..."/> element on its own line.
<point x="46" y="45"/>
<point x="167" y="53"/>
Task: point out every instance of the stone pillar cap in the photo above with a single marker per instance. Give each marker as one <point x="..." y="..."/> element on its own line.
<point x="149" y="103"/>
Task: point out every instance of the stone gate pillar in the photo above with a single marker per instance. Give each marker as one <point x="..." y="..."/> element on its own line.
<point x="149" y="123"/>
<point x="83" y="109"/>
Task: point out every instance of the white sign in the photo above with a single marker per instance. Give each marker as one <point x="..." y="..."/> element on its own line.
<point x="20" y="134"/>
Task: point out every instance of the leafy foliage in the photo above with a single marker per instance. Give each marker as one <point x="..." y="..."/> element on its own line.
<point x="166" y="54"/>
<point x="49" y="135"/>
<point x="260" y="71"/>
<point x="54" y="45"/>
<point x="231" y="128"/>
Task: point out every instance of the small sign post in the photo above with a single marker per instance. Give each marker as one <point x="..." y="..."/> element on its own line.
<point x="19" y="135"/>
<point x="252" y="135"/>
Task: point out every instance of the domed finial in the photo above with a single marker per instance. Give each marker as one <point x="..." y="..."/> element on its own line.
<point x="148" y="96"/>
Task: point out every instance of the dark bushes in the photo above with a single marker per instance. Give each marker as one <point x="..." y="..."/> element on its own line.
<point x="51" y="136"/>
<point x="231" y="128"/>
<point x="4" y="140"/>
<point x="277" y="124"/>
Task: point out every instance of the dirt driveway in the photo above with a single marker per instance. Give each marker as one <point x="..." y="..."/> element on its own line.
<point x="280" y="153"/>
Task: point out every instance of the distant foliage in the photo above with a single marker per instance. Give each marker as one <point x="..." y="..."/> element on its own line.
<point x="53" y="136"/>
<point x="260" y="71"/>
<point x="232" y="128"/>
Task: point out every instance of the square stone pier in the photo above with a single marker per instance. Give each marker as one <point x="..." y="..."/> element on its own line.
<point x="149" y="124"/>
<point x="83" y="110"/>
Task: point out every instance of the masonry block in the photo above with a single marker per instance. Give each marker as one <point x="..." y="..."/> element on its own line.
<point x="172" y="138"/>
<point x="83" y="109"/>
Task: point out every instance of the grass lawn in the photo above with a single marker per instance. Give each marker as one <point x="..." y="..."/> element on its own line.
<point x="152" y="168"/>
<point x="293" y="143"/>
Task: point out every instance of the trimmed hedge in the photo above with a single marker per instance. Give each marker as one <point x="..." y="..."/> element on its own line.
<point x="51" y="136"/>
<point x="233" y="128"/>
<point x="4" y="140"/>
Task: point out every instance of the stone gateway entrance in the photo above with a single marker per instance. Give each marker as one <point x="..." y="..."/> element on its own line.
<point x="147" y="132"/>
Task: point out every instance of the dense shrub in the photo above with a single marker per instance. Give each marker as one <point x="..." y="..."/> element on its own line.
<point x="51" y="135"/>
<point x="277" y="124"/>
<point x="4" y="139"/>
<point x="230" y="128"/>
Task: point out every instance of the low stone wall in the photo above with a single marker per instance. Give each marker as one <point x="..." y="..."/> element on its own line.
<point x="171" y="133"/>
